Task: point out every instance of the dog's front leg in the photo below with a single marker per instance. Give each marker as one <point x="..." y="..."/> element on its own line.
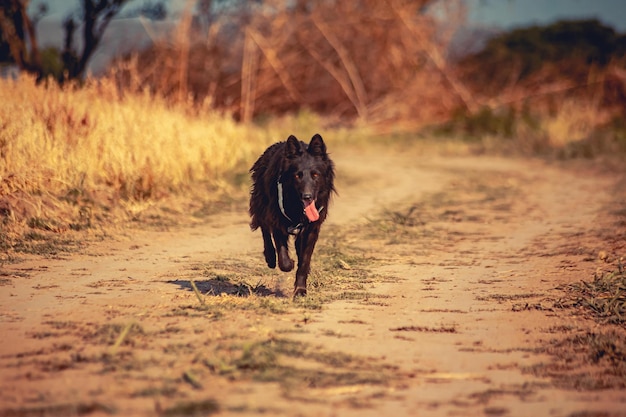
<point x="305" y="243"/>
<point x="285" y="263"/>
<point x="268" y="248"/>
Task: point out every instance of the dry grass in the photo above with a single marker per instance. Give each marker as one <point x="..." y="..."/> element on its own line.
<point x="603" y="298"/>
<point x="54" y="140"/>
<point x="376" y="62"/>
<point x="338" y="273"/>
<point x="574" y="121"/>
<point x="75" y="157"/>
<point x="571" y="124"/>
<point x="272" y="360"/>
<point x="585" y="360"/>
<point x="572" y="127"/>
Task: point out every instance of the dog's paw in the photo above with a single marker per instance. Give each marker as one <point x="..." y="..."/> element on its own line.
<point x="286" y="265"/>
<point x="270" y="258"/>
<point x="271" y="262"/>
<point x="299" y="292"/>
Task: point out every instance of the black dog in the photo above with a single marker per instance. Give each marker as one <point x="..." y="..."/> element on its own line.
<point x="291" y="187"/>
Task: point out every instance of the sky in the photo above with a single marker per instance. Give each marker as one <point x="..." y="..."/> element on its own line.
<point x="515" y="13"/>
<point x="491" y="13"/>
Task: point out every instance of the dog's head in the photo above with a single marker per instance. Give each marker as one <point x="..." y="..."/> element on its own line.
<point x="308" y="171"/>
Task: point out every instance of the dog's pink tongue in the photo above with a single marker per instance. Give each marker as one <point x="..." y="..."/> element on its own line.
<point x="311" y="212"/>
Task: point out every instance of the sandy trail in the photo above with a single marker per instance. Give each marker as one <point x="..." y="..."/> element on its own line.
<point x="451" y="322"/>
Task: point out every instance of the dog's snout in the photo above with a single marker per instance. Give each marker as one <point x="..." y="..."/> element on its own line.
<point x="307" y="197"/>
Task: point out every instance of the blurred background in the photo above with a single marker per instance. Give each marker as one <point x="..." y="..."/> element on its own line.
<point x="117" y="102"/>
<point x="391" y="64"/>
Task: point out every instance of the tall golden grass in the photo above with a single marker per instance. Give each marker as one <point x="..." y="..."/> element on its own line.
<point x="59" y="145"/>
<point x="56" y="139"/>
<point x="572" y="121"/>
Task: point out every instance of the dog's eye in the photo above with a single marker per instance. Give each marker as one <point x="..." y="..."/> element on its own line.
<point x="314" y="175"/>
<point x="298" y="175"/>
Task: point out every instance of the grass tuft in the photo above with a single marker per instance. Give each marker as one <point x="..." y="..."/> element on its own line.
<point x="603" y="298"/>
<point x="121" y="337"/>
<point x="272" y="360"/>
<point x="191" y="408"/>
<point x="585" y="361"/>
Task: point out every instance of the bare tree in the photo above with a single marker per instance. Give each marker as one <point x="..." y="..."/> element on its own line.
<point x="95" y="17"/>
<point x="382" y="62"/>
<point x="17" y="29"/>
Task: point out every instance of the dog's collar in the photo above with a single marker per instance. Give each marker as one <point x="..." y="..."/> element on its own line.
<point x="281" y="203"/>
<point x="294" y="229"/>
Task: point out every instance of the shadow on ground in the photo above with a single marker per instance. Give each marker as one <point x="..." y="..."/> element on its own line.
<point x="217" y="286"/>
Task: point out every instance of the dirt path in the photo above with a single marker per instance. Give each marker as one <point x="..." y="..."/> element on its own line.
<point x="432" y="294"/>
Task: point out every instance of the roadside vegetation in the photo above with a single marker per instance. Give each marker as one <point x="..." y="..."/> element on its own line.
<point x="75" y="158"/>
<point x="173" y="129"/>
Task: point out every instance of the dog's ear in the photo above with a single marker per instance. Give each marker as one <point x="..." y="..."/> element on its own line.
<point x="293" y="147"/>
<point x="317" y="147"/>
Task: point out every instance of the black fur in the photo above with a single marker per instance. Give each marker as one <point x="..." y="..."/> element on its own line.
<point x="306" y="173"/>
